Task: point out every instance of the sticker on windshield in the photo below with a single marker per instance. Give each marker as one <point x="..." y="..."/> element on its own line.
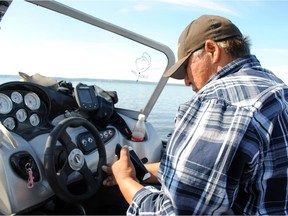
<point x="142" y="64"/>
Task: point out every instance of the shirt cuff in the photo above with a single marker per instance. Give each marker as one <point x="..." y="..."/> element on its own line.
<point x="144" y="192"/>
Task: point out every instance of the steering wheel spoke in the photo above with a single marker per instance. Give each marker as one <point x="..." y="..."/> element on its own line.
<point x="64" y="173"/>
<point x="66" y="140"/>
<point x="88" y="175"/>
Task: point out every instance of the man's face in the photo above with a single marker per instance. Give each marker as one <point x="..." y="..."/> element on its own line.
<point x="198" y="71"/>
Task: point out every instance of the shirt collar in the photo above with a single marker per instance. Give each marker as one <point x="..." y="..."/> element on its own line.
<point x="248" y="61"/>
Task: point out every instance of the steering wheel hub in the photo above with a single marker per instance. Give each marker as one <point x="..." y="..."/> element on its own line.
<point x="76" y="159"/>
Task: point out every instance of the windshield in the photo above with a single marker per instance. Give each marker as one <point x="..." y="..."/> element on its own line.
<point x="64" y="48"/>
<point x="78" y="51"/>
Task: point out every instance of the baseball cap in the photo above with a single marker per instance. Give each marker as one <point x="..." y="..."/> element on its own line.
<point x="194" y="36"/>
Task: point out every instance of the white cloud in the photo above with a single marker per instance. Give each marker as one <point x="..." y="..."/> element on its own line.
<point x="205" y="4"/>
<point x="138" y="7"/>
<point x="124" y="10"/>
<point x="193" y="4"/>
<point x="141" y="7"/>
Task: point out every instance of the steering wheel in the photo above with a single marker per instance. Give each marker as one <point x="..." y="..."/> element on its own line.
<point x="73" y="161"/>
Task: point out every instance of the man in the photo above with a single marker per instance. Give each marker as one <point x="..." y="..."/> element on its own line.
<point x="228" y="152"/>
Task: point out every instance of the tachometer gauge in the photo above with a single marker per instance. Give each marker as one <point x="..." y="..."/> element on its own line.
<point x="32" y="101"/>
<point x="9" y="123"/>
<point x="34" y="120"/>
<point x="21" y="115"/>
<point x="16" y="97"/>
<point x="6" y="104"/>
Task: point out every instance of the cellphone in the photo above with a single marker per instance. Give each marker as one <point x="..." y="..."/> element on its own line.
<point x="142" y="173"/>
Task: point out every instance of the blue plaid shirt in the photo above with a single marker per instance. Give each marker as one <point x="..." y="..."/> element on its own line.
<point x="228" y="152"/>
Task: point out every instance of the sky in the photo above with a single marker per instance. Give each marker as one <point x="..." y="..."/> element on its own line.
<point x="264" y="21"/>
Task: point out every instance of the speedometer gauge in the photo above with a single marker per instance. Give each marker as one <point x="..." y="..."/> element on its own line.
<point x="9" y="123"/>
<point x="6" y="104"/>
<point x="32" y="101"/>
<point x="21" y="115"/>
<point x="34" y="120"/>
<point x="16" y="97"/>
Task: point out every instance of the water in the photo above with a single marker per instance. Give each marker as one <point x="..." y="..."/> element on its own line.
<point x="134" y="95"/>
<point x="163" y="114"/>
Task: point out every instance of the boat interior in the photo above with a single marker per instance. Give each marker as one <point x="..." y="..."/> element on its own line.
<point x="56" y="133"/>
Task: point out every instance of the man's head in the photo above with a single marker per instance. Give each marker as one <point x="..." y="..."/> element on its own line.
<point x="194" y="36"/>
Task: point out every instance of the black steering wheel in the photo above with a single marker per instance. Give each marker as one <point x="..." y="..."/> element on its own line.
<point x="73" y="161"/>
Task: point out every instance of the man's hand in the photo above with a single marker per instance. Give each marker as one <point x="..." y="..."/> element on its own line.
<point x="122" y="172"/>
<point x="123" y="168"/>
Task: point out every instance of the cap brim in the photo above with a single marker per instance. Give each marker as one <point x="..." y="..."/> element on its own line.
<point x="178" y="70"/>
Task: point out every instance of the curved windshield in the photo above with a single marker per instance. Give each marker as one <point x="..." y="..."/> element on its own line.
<point x="36" y="40"/>
<point x="78" y="53"/>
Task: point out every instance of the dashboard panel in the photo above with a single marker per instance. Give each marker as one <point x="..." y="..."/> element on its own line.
<point x="28" y="109"/>
<point x="30" y="113"/>
<point x="21" y="109"/>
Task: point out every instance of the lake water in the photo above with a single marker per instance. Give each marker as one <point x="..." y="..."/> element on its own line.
<point x="134" y="95"/>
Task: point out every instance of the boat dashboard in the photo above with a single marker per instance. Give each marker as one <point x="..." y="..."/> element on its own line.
<point x="55" y="133"/>
<point x="28" y="109"/>
<point x="48" y="143"/>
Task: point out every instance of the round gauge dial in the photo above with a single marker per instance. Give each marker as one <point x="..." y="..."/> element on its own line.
<point x="32" y="101"/>
<point x="21" y="115"/>
<point x="16" y="97"/>
<point x="9" y="123"/>
<point x="34" y="120"/>
<point x="6" y="104"/>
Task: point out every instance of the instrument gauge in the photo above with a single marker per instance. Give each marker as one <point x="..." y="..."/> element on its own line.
<point x="21" y="115"/>
<point x="32" y="101"/>
<point x="9" y="123"/>
<point x="34" y="120"/>
<point x="6" y="104"/>
<point x="16" y="97"/>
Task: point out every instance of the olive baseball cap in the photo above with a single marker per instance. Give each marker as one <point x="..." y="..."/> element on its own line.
<point x="194" y="36"/>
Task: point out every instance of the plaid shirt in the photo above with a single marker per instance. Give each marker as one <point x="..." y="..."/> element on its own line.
<point x="228" y="152"/>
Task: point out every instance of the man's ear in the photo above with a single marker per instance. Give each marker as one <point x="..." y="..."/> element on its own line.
<point x="213" y="49"/>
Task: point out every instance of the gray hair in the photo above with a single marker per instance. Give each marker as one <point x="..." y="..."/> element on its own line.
<point x="234" y="47"/>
